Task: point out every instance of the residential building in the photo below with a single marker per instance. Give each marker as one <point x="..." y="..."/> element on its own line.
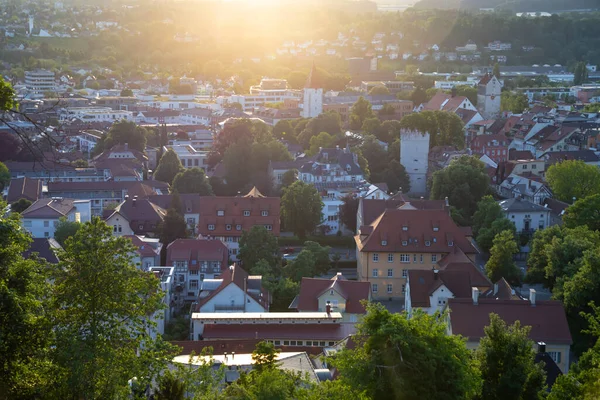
<point x="414" y="156"/>
<point x="233" y="292"/>
<point x="430" y="290"/>
<point x="527" y="216"/>
<point x="336" y="295"/>
<point x="447" y="102"/>
<point x="135" y="217"/>
<point x="87" y="140"/>
<point x="189" y="207"/>
<point x="489" y="90"/>
<point x="196" y="116"/>
<point x="547" y="319"/>
<point x="312" y="98"/>
<point x="493" y="146"/>
<point x="39" y="82"/>
<point x="404" y="239"/>
<point x="42" y="217"/>
<point x="117" y="102"/>
<point x="271" y="116"/>
<point x="162" y="317"/>
<point x="24" y="188"/>
<point x="44" y="248"/>
<point x="225" y="218"/>
<point x="148" y="251"/>
<point x="93" y="114"/>
<point x="270" y="87"/>
<point x="557" y="210"/>
<point x="314" y="329"/>
<point x="587" y="156"/>
<point x="189" y="156"/>
<point x="195" y="260"/>
<point x="449" y="85"/>
<point x="497" y="45"/>
<point x="50" y="171"/>
<point x="158" y="117"/>
<point x="109" y="194"/>
<point x="393" y="86"/>
<point x="526" y="186"/>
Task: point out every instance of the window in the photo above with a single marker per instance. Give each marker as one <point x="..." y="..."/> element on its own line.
<point x="405" y="258"/>
<point x="374" y="288"/>
<point x="384" y="242"/>
<point x="415" y="258"/>
<point x="228" y="227"/>
<point x="524" y="166"/>
<point x="46" y="224"/>
<point x="191" y="221"/>
<point x="421" y="258"/>
<point x="450" y="243"/>
<point x="201" y="277"/>
<point x="211" y="227"/>
<point x="114" y="228"/>
<point x="264" y="213"/>
<point x="434" y="258"/>
<point x="390" y="273"/>
<point x="389" y="288"/>
<point x="220" y="213"/>
<point x="238" y="227"/>
<point x="194" y="284"/>
<point x="533" y="166"/>
<point x="403" y="289"/>
<point x="427" y="243"/>
<point x="246" y="213"/>
<point x="46" y="234"/>
<point x="541" y="225"/>
<point x="375" y="257"/>
<point x="555" y="356"/>
<point x="141" y="226"/>
<point x="269" y="227"/>
<point x="193" y="271"/>
<point x="375" y="272"/>
<point x="405" y="228"/>
<point x="404" y="273"/>
<point x="404" y="243"/>
<point x="390" y="258"/>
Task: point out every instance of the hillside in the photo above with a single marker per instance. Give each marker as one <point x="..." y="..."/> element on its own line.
<point x="512" y="5"/>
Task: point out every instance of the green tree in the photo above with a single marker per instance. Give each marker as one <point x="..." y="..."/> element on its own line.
<point x="258" y="244"/>
<point x="348" y="211"/>
<point x="396" y="177"/>
<point x="389" y="132"/>
<point x="496" y="71"/>
<point x="464" y="182"/>
<point x="329" y="121"/>
<point x="322" y="140"/>
<point x="573" y="179"/>
<point x="126" y="132"/>
<point x="7" y="95"/>
<point x="304" y="265"/>
<point x="283" y="129"/>
<point x="371" y="126"/>
<point x="301" y="208"/>
<point x="192" y="180"/>
<point x="485" y="237"/>
<point x="171" y="228"/>
<point x="20" y="205"/>
<point x="391" y="347"/>
<point x="126" y="93"/>
<point x="488" y="211"/>
<point x="379" y="90"/>
<point x="264" y="356"/>
<point x="65" y="229"/>
<point x="506" y="359"/>
<point x="168" y="167"/>
<point x="418" y="96"/>
<point x="514" y="102"/>
<point x="585" y="211"/>
<point x="289" y="177"/>
<point x="26" y="336"/>
<point x="501" y="264"/>
<point x="103" y="303"/>
<point x="580" y="73"/>
<point x="445" y="128"/>
<point x="360" y="111"/>
<point x="4" y="172"/>
<point x="283" y="291"/>
<point x="387" y="109"/>
<point x="80" y="163"/>
<point x="170" y="387"/>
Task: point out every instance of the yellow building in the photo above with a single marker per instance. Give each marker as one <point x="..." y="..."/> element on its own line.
<point x="406" y="239"/>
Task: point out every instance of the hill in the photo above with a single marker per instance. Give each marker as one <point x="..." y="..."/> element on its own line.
<point x="512" y="5"/>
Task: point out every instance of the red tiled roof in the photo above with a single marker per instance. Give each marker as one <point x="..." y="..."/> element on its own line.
<point x="242" y="346"/>
<point x="458" y="261"/>
<point x="485" y="79"/>
<point x="502" y="291"/>
<point x="419" y="235"/>
<point x="24" y="188"/>
<point x="197" y="249"/>
<point x="454" y="103"/>
<point x="353" y="291"/>
<point x="436" y="102"/>
<point x="423" y="283"/>
<point x="140" y="212"/>
<point x="373" y="208"/>
<point x="144" y="249"/>
<point x="514" y="154"/>
<point x="483" y="140"/>
<point x="547" y="319"/>
<point x="326" y="331"/>
<point x="233" y="209"/>
<point x="105" y="185"/>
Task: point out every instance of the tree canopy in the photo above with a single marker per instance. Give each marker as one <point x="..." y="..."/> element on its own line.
<point x="501" y="264"/>
<point x="258" y="244"/>
<point x="192" y="180"/>
<point x="585" y="211"/>
<point x="168" y="167"/>
<point x="573" y="179"/>
<point x="445" y="128"/>
<point x="301" y="208"/>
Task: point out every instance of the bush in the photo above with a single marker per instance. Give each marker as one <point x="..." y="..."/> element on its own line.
<point x="332" y="241"/>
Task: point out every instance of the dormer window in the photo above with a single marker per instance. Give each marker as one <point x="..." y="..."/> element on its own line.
<point x="228" y="227"/>
<point x="427" y="243"/>
<point x="238" y="227"/>
<point x="220" y="213"/>
<point x="404" y="228"/>
<point x="434" y="240"/>
<point x="211" y="227"/>
<point x="436" y="228"/>
<point x="384" y="242"/>
<point x="246" y="213"/>
<point x="450" y="243"/>
<point x="264" y="213"/>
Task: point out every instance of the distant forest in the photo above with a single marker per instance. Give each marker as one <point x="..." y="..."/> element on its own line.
<point x="512" y="5"/>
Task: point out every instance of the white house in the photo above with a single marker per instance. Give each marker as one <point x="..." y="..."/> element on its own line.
<point x="526" y="216"/>
<point x="189" y="156"/>
<point x="234" y="291"/>
<point x="430" y="290"/>
<point x="196" y="116"/>
<point x="162" y="317"/>
<point x="530" y="188"/>
<point x="41" y="218"/>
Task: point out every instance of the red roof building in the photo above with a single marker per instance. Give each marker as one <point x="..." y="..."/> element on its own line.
<point x="493" y="146"/>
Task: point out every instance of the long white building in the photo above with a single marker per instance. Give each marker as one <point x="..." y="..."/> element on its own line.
<point x="94" y="114"/>
<point x="40" y="81"/>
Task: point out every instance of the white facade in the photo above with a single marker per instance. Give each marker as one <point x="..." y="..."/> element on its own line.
<point x="312" y="102"/>
<point x="488" y="98"/>
<point x="447" y="85"/>
<point x="189" y="156"/>
<point x="526" y="216"/>
<point x="196" y="116"/>
<point x="414" y="156"/>
<point x="250" y="101"/>
<point x="40" y="81"/>
<point x="231" y="297"/>
<point x="438" y="300"/>
<point x="162" y="317"/>
<point x="94" y="114"/>
<point x="120" y="225"/>
<point x="87" y="140"/>
<point x="44" y="227"/>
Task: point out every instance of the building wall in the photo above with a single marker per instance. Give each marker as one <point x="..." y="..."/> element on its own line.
<point x="537" y="220"/>
<point x="40" y="228"/>
<point x="414" y="156"/>
<point x="119" y="225"/>
<point x="313" y="103"/>
<point x="232" y="296"/>
<point x="334" y="299"/>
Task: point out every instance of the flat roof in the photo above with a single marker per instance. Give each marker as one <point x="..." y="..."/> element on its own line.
<point x="229" y="360"/>
<point x="267" y="316"/>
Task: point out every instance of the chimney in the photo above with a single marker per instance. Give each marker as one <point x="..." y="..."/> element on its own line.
<point x="447" y="202"/>
<point x="225" y="356"/>
<point x="126" y="146"/>
<point x="232" y="355"/>
<point x="495" y="288"/>
<point x="541" y="347"/>
<point x="126" y="197"/>
<point x="532" y="296"/>
<point x="475" y="296"/>
<point x="435" y="274"/>
<point x="134" y="202"/>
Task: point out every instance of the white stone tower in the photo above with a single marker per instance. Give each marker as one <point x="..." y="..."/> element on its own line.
<point x="313" y="96"/>
<point x="489" y="91"/>
<point x="414" y="156"/>
<point x="30" y="26"/>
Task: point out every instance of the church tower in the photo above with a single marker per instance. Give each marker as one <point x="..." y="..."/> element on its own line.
<point x="489" y="91"/>
<point x="414" y="156"/>
<point x="313" y="95"/>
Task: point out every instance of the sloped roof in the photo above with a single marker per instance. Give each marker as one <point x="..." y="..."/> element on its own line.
<point x="502" y="291"/>
<point x="353" y="291"/>
<point x="144" y="249"/>
<point x="49" y="208"/>
<point x="140" y="211"/>
<point x="428" y="231"/>
<point x="436" y="101"/>
<point x="465" y="115"/>
<point x="516" y="204"/>
<point x="583" y="155"/>
<point x="547" y="319"/>
<point x="197" y="249"/>
<point x="44" y="247"/>
<point x="423" y="283"/>
<point x="373" y="208"/>
<point x="458" y="261"/>
<point x="24" y="188"/>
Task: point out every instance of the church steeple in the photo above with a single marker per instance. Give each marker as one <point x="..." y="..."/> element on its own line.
<point x="313" y="81"/>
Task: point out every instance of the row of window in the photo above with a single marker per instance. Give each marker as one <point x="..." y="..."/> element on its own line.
<point x="263" y="213"/>
<point x="238" y="227"/>
<point x="389" y="287"/>
<point x="390" y="273"/>
<point x="404" y="258"/>
<point x="312" y="343"/>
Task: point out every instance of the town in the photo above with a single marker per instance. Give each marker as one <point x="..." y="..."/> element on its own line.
<point x="318" y="216"/>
